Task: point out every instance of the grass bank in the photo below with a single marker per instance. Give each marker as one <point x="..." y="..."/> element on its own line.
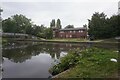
<point x="89" y="63"/>
<point x="69" y="40"/>
<point x="77" y="40"/>
<point x="72" y="40"/>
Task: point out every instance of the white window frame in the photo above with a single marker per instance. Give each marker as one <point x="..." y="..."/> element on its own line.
<point x="61" y="31"/>
<point x="81" y="31"/>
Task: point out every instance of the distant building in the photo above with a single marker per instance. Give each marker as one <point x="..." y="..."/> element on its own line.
<point x="70" y="33"/>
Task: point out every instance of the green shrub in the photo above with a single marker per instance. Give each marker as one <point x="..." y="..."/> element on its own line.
<point x="66" y="62"/>
<point x="92" y="59"/>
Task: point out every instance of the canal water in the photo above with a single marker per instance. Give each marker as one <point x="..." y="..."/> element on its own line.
<point x="33" y="60"/>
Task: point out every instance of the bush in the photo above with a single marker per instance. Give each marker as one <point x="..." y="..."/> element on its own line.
<point x="92" y="58"/>
<point x="66" y="62"/>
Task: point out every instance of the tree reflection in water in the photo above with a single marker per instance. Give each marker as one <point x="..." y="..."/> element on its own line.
<point x="19" y="55"/>
<point x="34" y="60"/>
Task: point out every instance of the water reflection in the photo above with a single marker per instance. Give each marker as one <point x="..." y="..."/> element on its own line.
<point x="22" y="54"/>
<point x="33" y="60"/>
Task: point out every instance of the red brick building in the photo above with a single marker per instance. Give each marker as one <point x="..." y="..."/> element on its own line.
<point x="70" y="33"/>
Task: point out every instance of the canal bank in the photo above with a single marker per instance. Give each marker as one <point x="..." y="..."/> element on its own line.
<point x="70" y="41"/>
<point x="89" y="63"/>
<point x="33" y="59"/>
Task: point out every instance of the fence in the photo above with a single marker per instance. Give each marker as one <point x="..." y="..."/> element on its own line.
<point x="16" y="35"/>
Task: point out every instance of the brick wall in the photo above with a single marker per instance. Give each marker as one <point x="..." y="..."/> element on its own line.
<point x="71" y="34"/>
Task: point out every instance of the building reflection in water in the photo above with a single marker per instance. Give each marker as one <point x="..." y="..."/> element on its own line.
<point x="20" y="53"/>
<point x="34" y="60"/>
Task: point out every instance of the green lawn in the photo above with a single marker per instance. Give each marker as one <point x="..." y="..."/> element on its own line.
<point x="111" y="40"/>
<point x="68" y="39"/>
<point x="89" y="63"/>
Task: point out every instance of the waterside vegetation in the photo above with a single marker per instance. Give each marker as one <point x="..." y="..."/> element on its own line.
<point x="88" y="63"/>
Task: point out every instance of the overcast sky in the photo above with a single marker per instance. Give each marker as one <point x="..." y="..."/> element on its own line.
<point x="69" y="12"/>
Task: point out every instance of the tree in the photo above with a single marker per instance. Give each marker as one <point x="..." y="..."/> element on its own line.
<point x="22" y="23"/>
<point x="58" y="24"/>
<point x="17" y="24"/>
<point x="85" y="26"/>
<point x="8" y="25"/>
<point x="52" y="23"/>
<point x="39" y="31"/>
<point x="101" y="27"/>
<point x="48" y="33"/>
<point x="69" y="26"/>
<point x="97" y="25"/>
<point x="114" y="25"/>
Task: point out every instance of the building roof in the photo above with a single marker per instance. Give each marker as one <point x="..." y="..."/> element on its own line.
<point x="70" y="29"/>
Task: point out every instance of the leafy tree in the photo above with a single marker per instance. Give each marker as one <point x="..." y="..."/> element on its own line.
<point x="114" y="26"/>
<point x="58" y="24"/>
<point x="8" y="25"/>
<point x="97" y="25"/>
<point x="101" y="27"/>
<point x="21" y="24"/>
<point x="85" y="26"/>
<point x="17" y="24"/>
<point x="38" y="31"/>
<point x="48" y="33"/>
<point x="52" y="23"/>
<point x="69" y="26"/>
<point x="118" y="18"/>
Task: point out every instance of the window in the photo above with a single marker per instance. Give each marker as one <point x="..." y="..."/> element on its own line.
<point x="74" y="31"/>
<point x="81" y="30"/>
<point x="66" y="36"/>
<point x="70" y="31"/>
<point x="70" y="36"/>
<point x="61" y="31"/>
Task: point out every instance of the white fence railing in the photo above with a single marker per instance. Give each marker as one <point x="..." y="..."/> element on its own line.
<point x="13" y="34"/>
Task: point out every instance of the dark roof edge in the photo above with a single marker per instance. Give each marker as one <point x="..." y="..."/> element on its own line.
<point x="72" y="29"/>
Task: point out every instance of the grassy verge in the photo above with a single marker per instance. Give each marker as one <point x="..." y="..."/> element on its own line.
<point x="89" y="63"/>
<point x="68" y="39"/>
<point x="111" y="40"/>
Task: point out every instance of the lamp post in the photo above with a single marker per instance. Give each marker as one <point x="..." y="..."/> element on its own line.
<point x="1" y="10"/>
